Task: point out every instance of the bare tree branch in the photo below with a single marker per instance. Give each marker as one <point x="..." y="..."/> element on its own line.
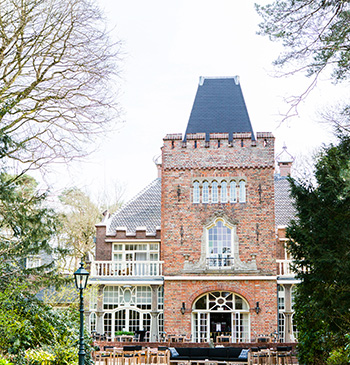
<point x="57" y="66"/>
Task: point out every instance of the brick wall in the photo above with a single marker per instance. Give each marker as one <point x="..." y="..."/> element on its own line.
<point x="255" y="220"/>
<point x="183" y="223"/>
<point x="178" y="292"/>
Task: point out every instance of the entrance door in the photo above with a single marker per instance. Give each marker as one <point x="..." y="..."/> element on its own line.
<point x="220" y="324"/>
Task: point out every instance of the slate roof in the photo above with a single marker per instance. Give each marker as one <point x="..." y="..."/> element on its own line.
<point x="284" y="210"/>
<point x="142" y="211"/>
<point x="219" y="107"/>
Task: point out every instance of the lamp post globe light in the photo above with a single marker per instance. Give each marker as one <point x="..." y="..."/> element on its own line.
<point x="81" y="277"/>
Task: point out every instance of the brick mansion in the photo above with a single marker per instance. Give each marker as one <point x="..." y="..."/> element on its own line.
<point x="201" y="250"/>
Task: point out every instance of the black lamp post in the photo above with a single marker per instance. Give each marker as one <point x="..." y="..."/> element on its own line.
<point x="81" y="278"/>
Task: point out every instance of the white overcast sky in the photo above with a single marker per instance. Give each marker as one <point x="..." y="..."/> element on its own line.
<point x="167" y="45"/>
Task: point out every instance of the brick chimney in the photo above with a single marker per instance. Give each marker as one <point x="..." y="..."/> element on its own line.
<point x="284" y="161"/>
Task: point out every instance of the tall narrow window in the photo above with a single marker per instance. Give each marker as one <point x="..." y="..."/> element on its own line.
<point x="205" y="196"/>
<point x="233" y="192"/>
<point x="214" y="192"/>
<point x="196" y="192"/>
<point x="242" y="194"/>
<point x="223" y="195"/>
<point x="93" y="320"/>
<point x="219" y="246"/>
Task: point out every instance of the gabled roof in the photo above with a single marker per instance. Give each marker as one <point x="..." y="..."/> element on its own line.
<point x="219" y="107"/>
<point x="142" y="211"/>
<point x="284" y="209"/>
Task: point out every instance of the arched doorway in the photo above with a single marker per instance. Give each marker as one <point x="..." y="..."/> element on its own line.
<point x="220" y="313"/>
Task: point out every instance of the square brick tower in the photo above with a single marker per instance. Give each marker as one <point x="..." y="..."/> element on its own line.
<point x="218" y="222"/>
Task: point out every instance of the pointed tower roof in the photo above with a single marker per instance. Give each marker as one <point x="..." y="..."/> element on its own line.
<point x="219" y="107"/>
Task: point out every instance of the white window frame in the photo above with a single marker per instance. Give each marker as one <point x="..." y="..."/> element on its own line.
<point x="224" y="260"/>
<point x="201" y="317"/>
<point x="233" y="191"/>
<point x="242" y="191"/>
<point x="205" y="192"/>
<point x="33" y="261"/>
<point x="214" y="192"/>
<point x="223" y="192"/>
<point x="196" y="192"/>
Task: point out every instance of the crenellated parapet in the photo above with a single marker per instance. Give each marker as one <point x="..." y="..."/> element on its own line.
<point x="221" y="150"/>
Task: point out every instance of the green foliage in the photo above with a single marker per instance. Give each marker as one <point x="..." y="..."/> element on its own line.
<point x="39" y="357"/>
<point x="121" y="333"/>
<point x="315" y="32"/>
<point x="320" y="246"/>
<point x="5" y="362"/>
<point x="29" y="329"/>
<point x="341" y="355"/>
<point x="27" y="227"/>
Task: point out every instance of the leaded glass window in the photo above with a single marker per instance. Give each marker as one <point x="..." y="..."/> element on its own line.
<point x="214" y="192"/>
<point x="233" y="192"/>
<point x="196" y="193"/>
<point x="219" y="245"/>
<point x="223" y="195"/>
<point x="205" y="194"/>
<point x="242" y="192"/>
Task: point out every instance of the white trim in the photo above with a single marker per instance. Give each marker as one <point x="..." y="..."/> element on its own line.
<point x="221" y="278"/>
<point x="132" y="240"/>
<point x="288" y="281"/>
<point x="125" y="282"/>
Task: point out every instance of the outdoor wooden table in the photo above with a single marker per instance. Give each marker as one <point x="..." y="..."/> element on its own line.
<point x="223" y="338"/>
<point x="124" y="338"/>
<point x="172" y="338"/>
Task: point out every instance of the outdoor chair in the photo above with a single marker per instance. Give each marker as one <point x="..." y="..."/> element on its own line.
<point x="163" y="355"/>
<point x="101" y="356"/>
<point x="129" y="355"/>
<point x="284" y="355"/>
<point x="263" y="355"/>
<point x="254" y="358"/>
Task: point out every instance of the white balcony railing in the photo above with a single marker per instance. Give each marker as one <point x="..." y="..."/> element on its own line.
<point x="128" y="268"/>
<point x="284" y="268"/>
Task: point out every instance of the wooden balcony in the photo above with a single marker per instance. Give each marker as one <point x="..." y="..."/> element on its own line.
<point x="126" y="269"/>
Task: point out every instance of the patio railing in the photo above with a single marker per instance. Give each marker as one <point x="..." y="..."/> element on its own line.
<point x="128" y="268"/>
<point x="284" y="268"/>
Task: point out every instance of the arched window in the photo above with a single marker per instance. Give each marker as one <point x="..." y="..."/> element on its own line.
<point x="219" y="251"/>
<point x="242" y="193"/>
<point x="196" y="193"/>
<point x="205" y="194"/>
<point x="218" y="313"/>
<point x="223" y="195"/>
<point x="214" y="192"/>
<point x="233" y="192"/>
<point x="128" y="308"/>
<point x="93" y="320"/>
